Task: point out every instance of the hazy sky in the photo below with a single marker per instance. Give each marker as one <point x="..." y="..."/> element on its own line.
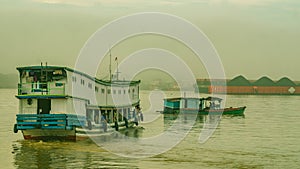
<point x="253" y="37"/>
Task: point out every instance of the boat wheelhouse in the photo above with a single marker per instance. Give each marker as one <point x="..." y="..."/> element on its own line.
<point x="50" y="109"/>
<point x="181" y="104"/>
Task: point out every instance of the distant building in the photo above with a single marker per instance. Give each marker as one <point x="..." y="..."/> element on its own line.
<point x="240" y="85"/>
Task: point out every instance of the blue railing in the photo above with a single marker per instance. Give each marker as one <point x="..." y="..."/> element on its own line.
<point x="49" y="121"/>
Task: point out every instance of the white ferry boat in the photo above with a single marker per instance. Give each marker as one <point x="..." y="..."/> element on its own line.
<point x="48" y="109"/>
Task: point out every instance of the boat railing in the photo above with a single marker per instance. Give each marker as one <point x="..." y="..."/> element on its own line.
<point x="49" y="88"/>
<point x="49" y="121"/>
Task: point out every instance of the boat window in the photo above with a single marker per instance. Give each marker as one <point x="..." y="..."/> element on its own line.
<point x="55" y="75"/>
<point x="119" y="92"/>
<point x="102" y="91"/>
<point x="82" y="81"/>
<point x="74" y="78"/>
<point x="114" y="91"/>
<point x="58" y="84"/>
<point x="30" y="76"/>
<point x="108" y="91"/>
<point x="42" y="75"/>
<point x="133" y="93"/>
<point x="57" y="72"/>
<point x="124" y="91"/>
<point x="96" y="89"/>
<point x="128" y="90"/>
<point x="90" y="85"/>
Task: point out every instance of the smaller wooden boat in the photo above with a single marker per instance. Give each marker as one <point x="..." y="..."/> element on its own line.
<point x="202" y="106"/>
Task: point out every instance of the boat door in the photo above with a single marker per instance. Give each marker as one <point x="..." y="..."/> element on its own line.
<point x="44" y="106"/>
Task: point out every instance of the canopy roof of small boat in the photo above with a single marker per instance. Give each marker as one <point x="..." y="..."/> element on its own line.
<point x="180" y="98"/>
<point x="212" y="98"/>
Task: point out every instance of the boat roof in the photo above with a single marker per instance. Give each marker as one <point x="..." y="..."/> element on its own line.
<point x="101" y="81"/>
<point x="211" y="98"/>
<point x="193" y="98"/>
<point x="180" y="98"/>
<point x="40" y="67"/>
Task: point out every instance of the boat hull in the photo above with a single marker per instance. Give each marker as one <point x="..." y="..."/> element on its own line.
<point x="65" y="127"/>
<point x="84" y="133"/>
<point x="226" y="111"/>
<point x="70" y="135"/>
<point x="40" y="134"/>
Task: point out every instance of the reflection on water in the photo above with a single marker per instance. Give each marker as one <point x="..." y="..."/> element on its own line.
<point x="169" y="119"/>
<point x="87" y="154"/>
<point x="80" y="154"/>
<point x="198" y="120"/>
<point x="84" y="154"/>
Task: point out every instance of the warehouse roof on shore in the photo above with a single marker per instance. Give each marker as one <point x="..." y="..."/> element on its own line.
<point x="285" y="82"/>
<point x="264" y="81"/>
<point x="239" y="81"/>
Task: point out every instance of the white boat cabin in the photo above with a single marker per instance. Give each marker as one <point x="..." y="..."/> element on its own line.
<point x="50" y="90"/>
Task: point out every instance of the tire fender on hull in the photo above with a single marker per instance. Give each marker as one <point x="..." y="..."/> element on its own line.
<point x="16" y="128"/>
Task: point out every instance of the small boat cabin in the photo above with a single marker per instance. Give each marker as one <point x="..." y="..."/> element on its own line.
<point x="181" y="104"/>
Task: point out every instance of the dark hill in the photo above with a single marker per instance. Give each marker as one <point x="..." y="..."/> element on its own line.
<point x="8" y="80"/>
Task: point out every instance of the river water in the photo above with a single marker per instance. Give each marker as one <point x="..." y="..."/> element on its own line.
<point x="268" y="136"/>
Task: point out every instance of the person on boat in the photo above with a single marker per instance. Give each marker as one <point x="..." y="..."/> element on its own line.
<point x="104" y="122"/>
<point x="200" y="105"/>
<point x="140" y="115"/>
<point x="137" y="115"/>
<point x="212" y="105"/>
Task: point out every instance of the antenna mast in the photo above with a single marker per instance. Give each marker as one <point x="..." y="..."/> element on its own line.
<point x="109" y="64"/>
